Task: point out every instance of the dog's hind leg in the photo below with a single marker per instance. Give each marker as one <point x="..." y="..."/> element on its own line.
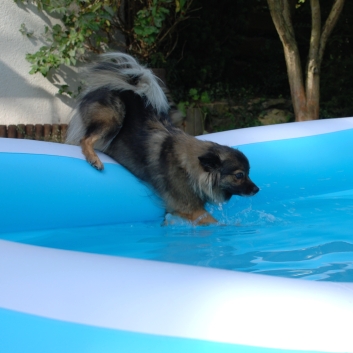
<point x="102" y="123"/>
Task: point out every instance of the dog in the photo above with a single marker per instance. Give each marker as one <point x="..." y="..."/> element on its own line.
<point x="124" y="113"/>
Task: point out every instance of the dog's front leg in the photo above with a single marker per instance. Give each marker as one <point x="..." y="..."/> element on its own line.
<point x="198" y="217"/>
<point x="87" y="144"/>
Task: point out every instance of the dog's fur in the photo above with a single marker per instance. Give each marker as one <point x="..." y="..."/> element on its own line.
<point x="124" y="113"/>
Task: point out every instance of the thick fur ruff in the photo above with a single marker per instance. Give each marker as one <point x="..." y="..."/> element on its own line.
<point x="124" y="113"/>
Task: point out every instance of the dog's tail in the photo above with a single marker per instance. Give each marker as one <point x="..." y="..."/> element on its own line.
<point x="119" y="71"/>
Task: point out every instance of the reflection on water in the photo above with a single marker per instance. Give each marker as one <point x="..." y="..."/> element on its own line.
<point x="307" y="238"/>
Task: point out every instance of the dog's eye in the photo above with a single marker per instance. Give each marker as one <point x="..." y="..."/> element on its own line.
<point x="239" y="175"/>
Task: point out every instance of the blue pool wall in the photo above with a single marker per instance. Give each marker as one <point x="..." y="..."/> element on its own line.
<point x="45" y="192"/>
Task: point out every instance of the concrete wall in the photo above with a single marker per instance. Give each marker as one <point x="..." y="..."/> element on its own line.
<point x="25" y="98"/>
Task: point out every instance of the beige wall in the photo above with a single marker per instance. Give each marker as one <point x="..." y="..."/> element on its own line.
<point x="25" y="98"/>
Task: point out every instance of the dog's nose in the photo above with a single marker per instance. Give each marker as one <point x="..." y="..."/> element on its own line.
<point x="255" y="190"/>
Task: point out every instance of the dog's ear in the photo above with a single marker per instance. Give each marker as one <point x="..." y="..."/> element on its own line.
<point x="210" y="161"/>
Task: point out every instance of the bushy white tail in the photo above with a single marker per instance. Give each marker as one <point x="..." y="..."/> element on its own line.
<point x="119" y="71"/>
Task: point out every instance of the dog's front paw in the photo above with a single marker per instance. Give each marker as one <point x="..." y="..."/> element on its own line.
<point x="198" y="217"/>
<point x="96" y="163"/>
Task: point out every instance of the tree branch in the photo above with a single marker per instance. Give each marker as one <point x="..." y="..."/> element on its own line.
<point x="329" y="25"/>
<point x="315" y="29"/>
<point x="281" y="15"/>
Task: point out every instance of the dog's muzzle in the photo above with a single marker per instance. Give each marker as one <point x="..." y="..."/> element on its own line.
<point x="254" y="190"/>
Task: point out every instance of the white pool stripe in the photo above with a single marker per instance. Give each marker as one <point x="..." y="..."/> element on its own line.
<point x="279" y="132"/>
<point x="46" y="148"/>
<point x="176" y="300"/>
<point x="230" y="138"/>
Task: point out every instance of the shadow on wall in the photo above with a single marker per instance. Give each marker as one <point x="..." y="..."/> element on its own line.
<point x="33" y="11"/>
<point x="25" y="98"/>
<point x="64" y="75"/>
<point x="68" y="76"/>
<point x="23" y="102"/>
<point x="17" y="86"/>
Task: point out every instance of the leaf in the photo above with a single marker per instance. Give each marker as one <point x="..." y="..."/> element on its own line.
<point x="34" y="70"/>
<point x="109" y="9"/>
<point x="205" y="98"/>
<point x="57" y="27"/>
<point x="182" y="106"/>
<point x="95" y="7"/>
<point x="193" y="92"/>
<point x="44" y="71"/>
<point x="72" y="52"/>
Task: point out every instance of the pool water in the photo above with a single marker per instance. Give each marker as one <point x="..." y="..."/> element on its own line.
<point x="309" y="238"/>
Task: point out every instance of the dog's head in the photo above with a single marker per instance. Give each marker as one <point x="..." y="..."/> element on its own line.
<point x="228" y="173"/>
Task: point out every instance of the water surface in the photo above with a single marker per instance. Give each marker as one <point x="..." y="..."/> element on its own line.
<point x="309" y="238"/>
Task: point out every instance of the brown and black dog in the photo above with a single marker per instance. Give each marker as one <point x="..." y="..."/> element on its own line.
<point x="124" y="113"/>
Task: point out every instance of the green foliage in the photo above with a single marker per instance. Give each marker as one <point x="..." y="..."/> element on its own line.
<point x="92" y="26"/>
<point x="299" y="3"/>
<point x="25" y="31"/>
<point x="240" y="112"/>
<point x="64" y="89"/>
<point x="149" y="22"/>
<point x="86" y="26"/>
<point x="197" y="96"/>
<point x="150" y="28"/>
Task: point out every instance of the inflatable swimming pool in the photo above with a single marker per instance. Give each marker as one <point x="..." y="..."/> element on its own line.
<point x="57" y="300"/>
